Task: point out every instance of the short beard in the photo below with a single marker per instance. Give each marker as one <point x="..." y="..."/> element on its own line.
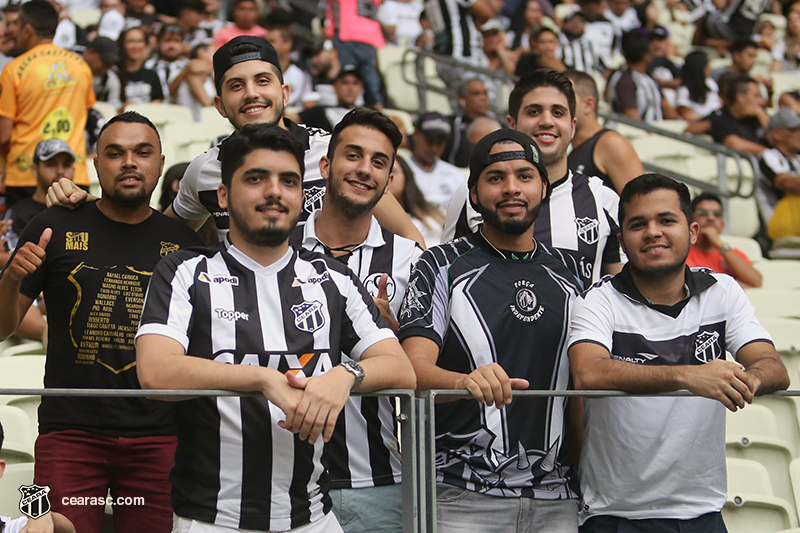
<point x="269" y="237"/>
<point x="349" y="208"/>
<point x="660" y="273"/>
<point x="510" y="226"/>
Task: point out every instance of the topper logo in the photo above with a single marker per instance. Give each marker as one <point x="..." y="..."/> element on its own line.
<point x="224" y="314"/>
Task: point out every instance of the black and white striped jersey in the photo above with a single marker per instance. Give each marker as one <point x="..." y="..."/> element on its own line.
<point x="648" y="457"/>
<point x="364" y="450"/>
<point x="580" y="54"/>
<point x="480" y="308"/>
<point x="197" y="196"/>
<point x="455" y="34"/>
<point x="628" y="89"/>
<point x="234" y="466"/>
<point x="579" y="218"/>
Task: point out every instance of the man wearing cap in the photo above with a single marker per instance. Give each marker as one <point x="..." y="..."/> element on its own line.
<point x="348" y="86"/>
<point x="490" y="313"/>
<point x="102" y="54"/>
<point x="325" y="68"/>
<point x="250" y="90"/>
<point x="577" y="51"/>
<point x="437" y="179"/>
<point x="779" y="188"/>
<point x="52" y="161"/>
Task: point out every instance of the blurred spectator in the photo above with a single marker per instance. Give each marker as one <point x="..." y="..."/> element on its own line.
<point x="544" y="53"/>
<point x="597" y="151"/>
<point x="170" y="186"/>
<point x="662" y="69"/>
<point x="473" y="102"/>
<point x="786" y="52"/>
<point x="495" y="48"/>
<point x="711" y="250"/>
<point x="454" y="24"/>
<point x="736" y="21"/>
<point x="437" y="179"/>
<point x="631" y="91"/>
<point x="426" y="38"/>
<point x="45" y="94"/>
<point x="744" y="54"/>
<point x="348" y="86"/>
<point x="598" y="29"/>
<point x="622" y="15"/>
<point x="298" y="80"/>
<point x="52" y="160"/>
<point x="524" y="25"/>
<point x="169" y="60"/>
<point x="400" y="20"/>
<point x="357" y="34"/>
<point x="68" y="36"/>
<point x="139" y="85"/>
<point x="211" y="22"/>
<point x="480" y="128"/>
<point x="425" y="216"/>
<point x="244" y="14"/>
<point x="741" y="121"/>
<point x="766" y="35"/>
<point x="143" y="12"/>
<point x="778" y="193"/>
<point x="325" y="68"/>
<point x="102" y="55"/>
<point x="577" y="52"/>
<point x="698" y="95"/>
<point x="4" y="59"/>
<point x="194" y="86"/>
<point x="648" y="14"/>
<point x="8" y="45"/>
<point x="112" y="21"/>
<point x="190" y="14"/>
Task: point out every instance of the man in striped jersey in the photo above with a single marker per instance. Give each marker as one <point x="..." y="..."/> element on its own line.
<point x="579" y="217"/>
<point x="658" y="464"/>
<point x="490" y="313"/>
<point x="364" y="460"/>
<point x="254" y="314"/>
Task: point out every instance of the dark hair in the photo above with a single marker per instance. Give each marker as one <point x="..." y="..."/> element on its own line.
<point x="647" y="183"/>
<point x="2" y="436"/>
<point x="543" y="77"/>
<point x="238" y="146"/>
<point x="122" y="70"/>
<point x="362" y="116"/>
<point x="518" y="23"/>
<point x="541" y="31"/>
<point x="641" y="12"/>
<point x="42" y="17"/>
<point x="742" y="44"/>
<point x="129" y="117"/>
<point x="583" y="81"/>
<point x="175" y="173"/>
<point x="694" y="76"/>
<point x="169" y="29"/>
<point x="412" y="199"/>
<point x="705" y="197"/>
<point x="735" y="87"/>
<point x="635" y="46"/>
<point x="198" y="6"/>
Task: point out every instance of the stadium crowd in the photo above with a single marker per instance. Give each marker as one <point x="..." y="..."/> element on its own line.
<point x="328" y="246"/>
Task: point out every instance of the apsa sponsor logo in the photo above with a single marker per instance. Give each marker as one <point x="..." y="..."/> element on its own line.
<point x="205" y="277"/>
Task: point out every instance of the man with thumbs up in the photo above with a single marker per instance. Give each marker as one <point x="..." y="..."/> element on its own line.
<point x="93" y="265"/>
<point x="365" y="462"/>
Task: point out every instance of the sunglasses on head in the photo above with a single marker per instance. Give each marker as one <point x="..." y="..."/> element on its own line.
<point x="705" y="212"/>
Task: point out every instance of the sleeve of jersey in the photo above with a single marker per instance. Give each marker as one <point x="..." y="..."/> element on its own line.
<point x="742" y="327"/>
<point x="592" y="320"/>
<point x="167" y="306"/>
<point x="771" y="165"/>
<point x="187" y="203"/>
<point x="34" y="283"/>
<point x="8" y="99"/>
<point x="425" y="307"/>
<point x="362" y="324"/>
<point x="613" y="252"/>
<point x="626" y="93"/>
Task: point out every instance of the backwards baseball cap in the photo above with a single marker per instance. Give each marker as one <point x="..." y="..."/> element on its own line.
<point x="349" y="70"/>
<point x="785" y="118"/>
<point x="107" y="49"/>
<point x="48" y="149"/>
<point x="224" y="58"/>
<point x="433" y="124"/>
<point x="480" y="158"/>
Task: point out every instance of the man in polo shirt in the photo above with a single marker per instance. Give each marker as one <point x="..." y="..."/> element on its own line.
<point x="658" y="464"/>
<point x="437" y="179"/>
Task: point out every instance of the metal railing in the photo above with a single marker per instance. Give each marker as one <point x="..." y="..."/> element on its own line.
<point x="416" y="418"/>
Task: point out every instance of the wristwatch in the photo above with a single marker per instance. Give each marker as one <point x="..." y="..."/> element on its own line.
<point x="355" y="369"/>
<point x="725" y="248"/>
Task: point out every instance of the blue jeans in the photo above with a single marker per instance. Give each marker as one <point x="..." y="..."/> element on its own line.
<point x="369" y="510"/>
<point x="363" y="57"/>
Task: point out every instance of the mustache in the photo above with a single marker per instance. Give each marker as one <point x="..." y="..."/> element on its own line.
<point x="123" y="175"/>
<point x="257" y="102"/>
<point x="272" y="203"/>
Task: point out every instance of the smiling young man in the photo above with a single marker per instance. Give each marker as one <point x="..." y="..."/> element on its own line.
<point x="238" y="316"/>
<point x="364" y="463"/>
<point x="579" y="217"/>
<point x="658" y="464"/>
<point x="490" y="313"/>
<point x="93" y="265"/>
